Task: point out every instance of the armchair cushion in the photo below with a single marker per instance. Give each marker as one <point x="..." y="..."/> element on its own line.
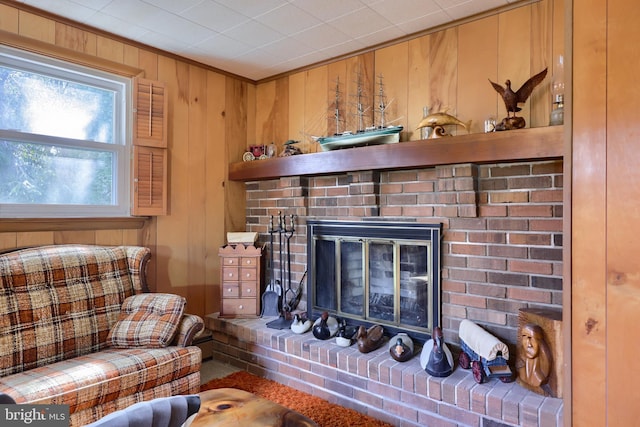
<point x="189" y="326"/>
<point x="147" y="320"/>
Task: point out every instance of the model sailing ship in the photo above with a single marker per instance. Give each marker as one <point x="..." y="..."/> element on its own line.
<point x="372" y="135"/>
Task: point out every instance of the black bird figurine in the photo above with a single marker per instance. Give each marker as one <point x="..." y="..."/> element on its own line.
<point x="511" y="98"/>
<point x="325" y="327"/>
<point x="436" y="358"/>
<point x="401" y="347"/>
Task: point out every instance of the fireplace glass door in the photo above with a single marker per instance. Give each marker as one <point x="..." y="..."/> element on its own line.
<point x="381" y="272"/>
<point x="378" y="280"/>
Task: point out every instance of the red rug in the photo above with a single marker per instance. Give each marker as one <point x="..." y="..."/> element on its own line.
<point x="324" y="413"/>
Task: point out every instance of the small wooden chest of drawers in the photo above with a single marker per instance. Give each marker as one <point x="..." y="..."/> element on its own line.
<point x="240" y="281"/>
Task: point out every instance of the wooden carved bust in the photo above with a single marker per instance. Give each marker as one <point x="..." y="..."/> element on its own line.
<point x="534" y="361"/>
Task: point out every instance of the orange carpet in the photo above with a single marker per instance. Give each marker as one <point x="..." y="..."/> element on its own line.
<point x="325" y="414"/>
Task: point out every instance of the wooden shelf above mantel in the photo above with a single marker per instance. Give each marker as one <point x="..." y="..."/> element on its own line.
<point x="543" y="143"/>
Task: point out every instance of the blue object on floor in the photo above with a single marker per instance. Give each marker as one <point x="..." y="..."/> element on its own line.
<point x="161" y="412"/>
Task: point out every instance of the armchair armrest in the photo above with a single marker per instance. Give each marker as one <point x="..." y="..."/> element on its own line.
<point x="189" y="326"/>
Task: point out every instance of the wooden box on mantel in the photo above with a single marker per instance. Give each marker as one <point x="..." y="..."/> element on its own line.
<point x="240" y="283"/>
<point x="551" y="323"/>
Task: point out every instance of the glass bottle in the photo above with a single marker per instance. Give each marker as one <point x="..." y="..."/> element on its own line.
<point x="557" y="93"/>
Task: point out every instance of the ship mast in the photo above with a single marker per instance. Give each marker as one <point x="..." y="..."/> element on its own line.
<point x="382" y="102"/>
<point x="359" y="107"/>
<point x="336" y="110"/>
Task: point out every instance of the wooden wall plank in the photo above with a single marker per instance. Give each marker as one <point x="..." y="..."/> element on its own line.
<point x="214" y="186"/>
<point x="148" y="237"/>
<point x="588" y="309"/>
<point x="9" y="19"/>
<point x="75" y="39"/>
<point x="418" y="89"/>
<point x="281" y="113"/>
<point x="135" y="237"/>
<point x="316" y="103"/>
<point x="392" y="65"/>
<point x="514" y="53"/>
<point x="236" y="113"/>
<point x="196" y="194"/>
<point x="364" y="67"/>
<point x="37" y="27"/>
<point x="110" y="49"/>
<point x="173" y="262"/>
<point x="297" y="112"/>
<point x="34" y="239"/>
<point x="541" y="58"/>
<point x="443" y="62"/>
<point x="623" y="194"/>
<point x="8" y="241"/>
<point x="130" y="56"/>
<point x="477" y="62"/>
<point x="85" y="237"/>
<point x="247" y="109"/>
<point x="109" y="237"/>
<point x="558" y="39"/>
<point x="272" y="111"/>
<point x="148" y="61"/>
<point x="265" y="114"/>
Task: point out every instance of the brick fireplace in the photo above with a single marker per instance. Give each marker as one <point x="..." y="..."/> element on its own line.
<point x="501" y="251"/>
<point x="502" y="229"/>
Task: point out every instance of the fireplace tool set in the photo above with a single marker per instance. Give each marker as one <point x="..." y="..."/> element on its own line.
<point x="279" y="298"/>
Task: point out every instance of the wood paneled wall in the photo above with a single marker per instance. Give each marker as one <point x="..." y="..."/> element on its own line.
<point x="444" y="70"/>
<point x="606" y="192"/>
<point x="214" y="114"/>
<point x="208" y="112"/>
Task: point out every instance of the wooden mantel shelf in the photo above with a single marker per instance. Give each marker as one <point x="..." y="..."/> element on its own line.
<point x="543" y="143"/>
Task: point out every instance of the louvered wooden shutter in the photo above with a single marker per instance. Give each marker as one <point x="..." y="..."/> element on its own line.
<point x="150" y="153"/>
<point x="150" y="180"/>
<point x="150" y="107"/>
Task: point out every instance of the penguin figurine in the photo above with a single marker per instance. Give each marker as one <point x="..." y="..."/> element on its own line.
<point x="401" y="347"/>
<point x="300" y="325"/>
<point x="436" y="358"/>
<point x="344" y="337"/>
<point x="325" y="327"/>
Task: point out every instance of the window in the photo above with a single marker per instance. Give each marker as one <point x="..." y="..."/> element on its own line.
<point x="64" y="146"/>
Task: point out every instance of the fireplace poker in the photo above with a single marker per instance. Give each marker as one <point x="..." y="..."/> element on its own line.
<point x="281" y="227"/>
<point x="288" y="232"/>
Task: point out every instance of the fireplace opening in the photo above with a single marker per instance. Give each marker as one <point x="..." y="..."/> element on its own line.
<point x="367" y="273"/>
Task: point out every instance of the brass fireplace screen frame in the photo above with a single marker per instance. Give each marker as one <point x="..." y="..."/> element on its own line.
<point x="327" y="238"/>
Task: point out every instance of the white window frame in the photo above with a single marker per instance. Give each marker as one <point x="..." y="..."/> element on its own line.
<point x="121" y="148"/>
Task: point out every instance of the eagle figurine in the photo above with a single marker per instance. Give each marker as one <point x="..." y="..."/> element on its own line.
<point x="511" y="98"/>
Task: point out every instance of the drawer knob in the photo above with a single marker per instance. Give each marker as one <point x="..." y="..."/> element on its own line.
<point x="240" y="307"/>
<point x="248" y="261"/>
<point x="230" y="274"/>
<point x="230" y="261"/>
<point x="230" y="290"/>
<point x="249" y="290"/>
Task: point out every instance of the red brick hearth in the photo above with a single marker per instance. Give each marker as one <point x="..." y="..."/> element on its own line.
<point x="402" y="394"/>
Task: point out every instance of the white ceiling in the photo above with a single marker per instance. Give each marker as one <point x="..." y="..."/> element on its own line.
<point x="258" y="39"/>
